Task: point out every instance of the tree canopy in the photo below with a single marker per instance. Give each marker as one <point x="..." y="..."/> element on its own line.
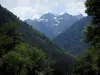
<point x="89" y="62"/>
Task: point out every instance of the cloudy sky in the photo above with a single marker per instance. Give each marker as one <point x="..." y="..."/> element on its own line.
<point x="30" y="9"/>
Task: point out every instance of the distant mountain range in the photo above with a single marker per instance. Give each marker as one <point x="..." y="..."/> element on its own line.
<point x="70" y="38"/>
<point x="65" y="29"/>
<point x="52" y="25"/>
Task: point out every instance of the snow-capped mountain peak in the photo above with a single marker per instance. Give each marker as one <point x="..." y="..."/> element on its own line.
<point x="51" y="24"/>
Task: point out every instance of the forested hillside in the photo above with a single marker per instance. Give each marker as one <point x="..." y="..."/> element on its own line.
<point x="71" y="38"/>
<point x="25" y="51"/>
<point x="89" y="62"/>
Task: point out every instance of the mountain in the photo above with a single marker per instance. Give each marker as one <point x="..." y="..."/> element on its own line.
<point x="80" y="16"/>
<point x="35" y="39"/>
<point x="52" y="25"/>
<point x="70" y="39"/>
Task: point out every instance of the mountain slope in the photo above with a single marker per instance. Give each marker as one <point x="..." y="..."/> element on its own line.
<point x="70" y="39"/>
<point x="51" y="25"/>
<point x="35" y="39"/>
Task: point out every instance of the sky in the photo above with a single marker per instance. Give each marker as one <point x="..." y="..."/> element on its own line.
<point x="31" y="9"/>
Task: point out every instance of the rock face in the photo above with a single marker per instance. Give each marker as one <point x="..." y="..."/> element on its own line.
<point x="52" y="25"/>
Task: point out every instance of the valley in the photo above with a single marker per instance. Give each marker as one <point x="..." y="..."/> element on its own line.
<point x="35" y="40"/>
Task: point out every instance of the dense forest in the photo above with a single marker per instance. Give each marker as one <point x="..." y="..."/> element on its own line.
<point x="25" y="51"/>
<point x="71" y="38"/>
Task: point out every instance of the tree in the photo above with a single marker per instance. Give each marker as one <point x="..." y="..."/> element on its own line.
<point x="9" y="37"/>
<point x="93" y="9"/>
<point x="15" y="64"/>
<point x="90" y="64"/>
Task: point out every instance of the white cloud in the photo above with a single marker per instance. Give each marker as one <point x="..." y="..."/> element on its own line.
<point x="29" y="12"/>
<point x="23" y="2"/>
<point x="8" y="3"/>
<point x="34" y="8"/>
<point x="75" y="7"/>
<point x="25" y="12"/>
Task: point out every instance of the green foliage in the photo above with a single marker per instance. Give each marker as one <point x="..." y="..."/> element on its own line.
<point x="15" y="64"/>
<point x="93" y="9"/>
<point x="39" y="58"/>
<point x="24" y="60"/>
<point x="19" y="58"/>
<point x="89" y="32"/>
<point x="83" y="65"/>
<point x="9" y="37"/>
<point x="89" y="63"/>
<point x="62" y="66"/>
